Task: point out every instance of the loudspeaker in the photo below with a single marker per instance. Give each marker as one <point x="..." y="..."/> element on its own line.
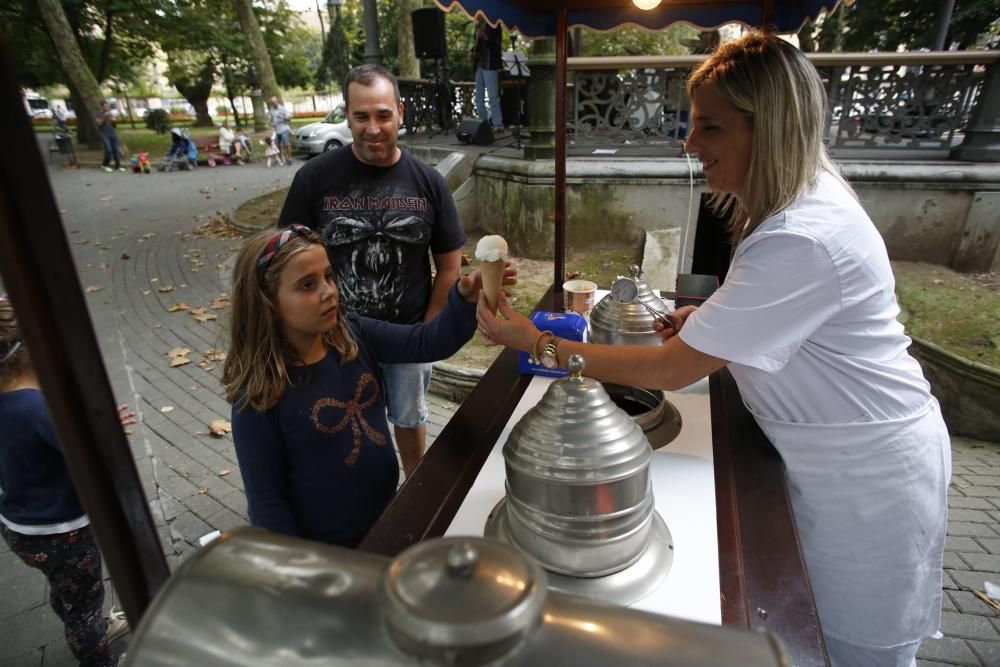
<point x="428" y="32"/>
<point x="475" y="131"/>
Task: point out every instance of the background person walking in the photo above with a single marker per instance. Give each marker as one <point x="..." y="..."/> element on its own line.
<point x="106" y="125"/>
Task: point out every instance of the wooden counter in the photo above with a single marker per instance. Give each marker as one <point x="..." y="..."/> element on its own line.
<point x="763" y="578"/>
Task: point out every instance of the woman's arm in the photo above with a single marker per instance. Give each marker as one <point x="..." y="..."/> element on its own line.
<point x="671" y="366"/>
<point x="260" y="451"/>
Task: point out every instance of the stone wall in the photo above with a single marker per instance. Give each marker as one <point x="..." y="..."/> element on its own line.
<point x="943" y="213"/>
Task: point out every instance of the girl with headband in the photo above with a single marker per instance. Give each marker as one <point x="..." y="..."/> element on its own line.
<point x="303" y="378"/>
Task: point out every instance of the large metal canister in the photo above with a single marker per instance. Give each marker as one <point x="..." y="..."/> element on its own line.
<point x="253" y="598"/>
<point x="615" y="323"/>
<point x="579" y="497"/>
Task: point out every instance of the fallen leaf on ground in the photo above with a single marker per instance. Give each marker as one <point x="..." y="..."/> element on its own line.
<point x="213" y="354"/>
<point x="107" y="198"/>
<point x="178" y="306"/>
<point x="219" y="302"/>
<point x="125" y="255"/>
<point x="82" y="242"/>
<point x="93" y="288"/>
<point x="224" y="472"/>
<point x="165" y="289"/>
<point x="178" y="352"/>
<point x="167" y="408"/>
<point x="202" y="490"/>
<point x="149" y="235"/>
<point x="208" y="366"/>
<point x="204" y="318"/>
<point x="219" y="427"/>
<point x="147" y="292"/>
<point x="179" y="361"/>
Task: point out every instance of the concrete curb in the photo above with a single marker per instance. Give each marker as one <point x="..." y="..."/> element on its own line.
<point x="967" y="390"/>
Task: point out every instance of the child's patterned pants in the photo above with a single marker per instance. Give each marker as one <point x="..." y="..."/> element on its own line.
<point x="72" y="564"/>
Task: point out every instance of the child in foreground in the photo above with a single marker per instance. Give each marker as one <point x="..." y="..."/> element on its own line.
<point x="41" y="518"/>
<point x="303" y="378"/>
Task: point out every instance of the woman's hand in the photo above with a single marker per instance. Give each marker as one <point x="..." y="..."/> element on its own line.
<point x="676" y="319"/>
<point x="471" y="285"/>
<point x="515" y="330"/>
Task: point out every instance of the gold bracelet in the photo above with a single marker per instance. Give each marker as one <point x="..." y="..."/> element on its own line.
<point x="536" y="353"/>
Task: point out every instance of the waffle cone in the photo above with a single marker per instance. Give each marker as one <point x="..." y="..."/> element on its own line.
<point x="492" y="275"/>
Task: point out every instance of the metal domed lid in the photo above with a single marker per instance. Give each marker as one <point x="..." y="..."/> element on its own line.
<point x="462" y="591"/>
<point x="577" y="433"/>
<point x="631" y="317"/>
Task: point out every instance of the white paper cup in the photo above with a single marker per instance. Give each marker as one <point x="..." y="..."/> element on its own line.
<point x="580" y="295"/>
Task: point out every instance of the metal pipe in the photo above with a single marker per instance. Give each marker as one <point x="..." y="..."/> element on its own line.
<point x="560" y="157"/>
<point x="373" y="52"/>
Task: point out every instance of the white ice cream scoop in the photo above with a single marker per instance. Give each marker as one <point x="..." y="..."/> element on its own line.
<point x="491" y="249"/>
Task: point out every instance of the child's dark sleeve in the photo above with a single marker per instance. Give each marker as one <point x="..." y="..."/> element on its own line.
<point x="420" y="343"/>
<point x="260" y="451"/>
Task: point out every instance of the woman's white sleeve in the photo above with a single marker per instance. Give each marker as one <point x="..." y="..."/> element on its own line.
<point x="781" y="288"/>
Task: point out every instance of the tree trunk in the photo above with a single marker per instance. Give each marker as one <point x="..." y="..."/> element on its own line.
<point x="197" y="89"/>
<point x="258" y="51"/>
<point x="75" y="68"/>
<point x="409" y="66"/>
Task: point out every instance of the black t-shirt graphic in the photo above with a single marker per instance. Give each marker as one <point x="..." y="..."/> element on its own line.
<point x="378" y="223"/>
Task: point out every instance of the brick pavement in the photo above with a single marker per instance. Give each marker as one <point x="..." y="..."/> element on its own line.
<point x="180" y="464"/>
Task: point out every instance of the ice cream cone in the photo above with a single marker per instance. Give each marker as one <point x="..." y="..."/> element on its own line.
<point x="492" y="275"/>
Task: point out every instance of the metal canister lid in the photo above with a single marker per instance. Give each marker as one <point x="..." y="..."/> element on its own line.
<point x="462" y="592"/>
<point x="576" y="434"/>
<point x="626" y="311"/>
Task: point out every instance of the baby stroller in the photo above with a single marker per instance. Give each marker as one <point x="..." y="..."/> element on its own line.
<point x="183" y="154"/>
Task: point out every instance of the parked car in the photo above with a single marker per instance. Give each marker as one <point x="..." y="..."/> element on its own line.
<point x="330" y="133"/>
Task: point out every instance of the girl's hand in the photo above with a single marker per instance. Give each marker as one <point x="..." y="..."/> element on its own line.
<point x="127" y="418"/>
<point x="471" y="285"/>
<point x="677" y="320"/>
<point x="514" y="331"/>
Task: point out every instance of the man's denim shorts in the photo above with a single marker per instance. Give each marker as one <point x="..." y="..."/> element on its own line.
<point x="405" y="386"/>
<point x="283" y="138"/>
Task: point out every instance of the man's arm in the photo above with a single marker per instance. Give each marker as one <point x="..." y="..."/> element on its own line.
<point x="448" y="266"/>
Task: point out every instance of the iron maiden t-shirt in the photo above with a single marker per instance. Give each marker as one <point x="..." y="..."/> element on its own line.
<point x="378" y="223"/>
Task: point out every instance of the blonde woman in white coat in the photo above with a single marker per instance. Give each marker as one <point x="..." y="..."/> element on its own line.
<point x="806" y="323"/>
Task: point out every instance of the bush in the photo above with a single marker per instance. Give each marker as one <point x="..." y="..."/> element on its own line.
<point x="158" y="120"/>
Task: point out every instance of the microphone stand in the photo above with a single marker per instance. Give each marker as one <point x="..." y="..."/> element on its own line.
<point x="517" y="93"/>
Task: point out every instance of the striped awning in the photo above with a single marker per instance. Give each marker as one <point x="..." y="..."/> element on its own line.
<point x="536" y="18"/>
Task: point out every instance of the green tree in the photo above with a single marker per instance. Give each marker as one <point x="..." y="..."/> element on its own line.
<point x="632" y="41"/>
<point x="892" y="24"/>
<point x="110" y="36"/>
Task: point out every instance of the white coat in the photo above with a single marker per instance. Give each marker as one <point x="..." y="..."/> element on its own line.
<point x="807" y="318"/>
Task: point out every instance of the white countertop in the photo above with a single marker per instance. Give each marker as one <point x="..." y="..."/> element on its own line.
<point x="683" y="481"/>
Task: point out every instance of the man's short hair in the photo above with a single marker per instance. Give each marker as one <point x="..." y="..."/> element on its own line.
<point x="366" y="76"/>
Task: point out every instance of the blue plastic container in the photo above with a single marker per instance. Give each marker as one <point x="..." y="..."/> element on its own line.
<point x="570" y="326"/>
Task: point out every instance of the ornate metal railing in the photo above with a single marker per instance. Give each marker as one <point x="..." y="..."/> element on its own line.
<point x="897" y="100"/>
<point x="424" y="100"/>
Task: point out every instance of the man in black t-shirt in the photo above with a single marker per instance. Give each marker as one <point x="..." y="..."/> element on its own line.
<point x="380" y="210"/>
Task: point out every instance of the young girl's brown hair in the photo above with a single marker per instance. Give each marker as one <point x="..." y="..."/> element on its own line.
<point x="255" y="373"/>
<point x="13" y="354"/>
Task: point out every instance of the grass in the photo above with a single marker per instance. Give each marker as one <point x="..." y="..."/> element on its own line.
<point x="956" y="311"/>
<point x="261" y="211"/>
